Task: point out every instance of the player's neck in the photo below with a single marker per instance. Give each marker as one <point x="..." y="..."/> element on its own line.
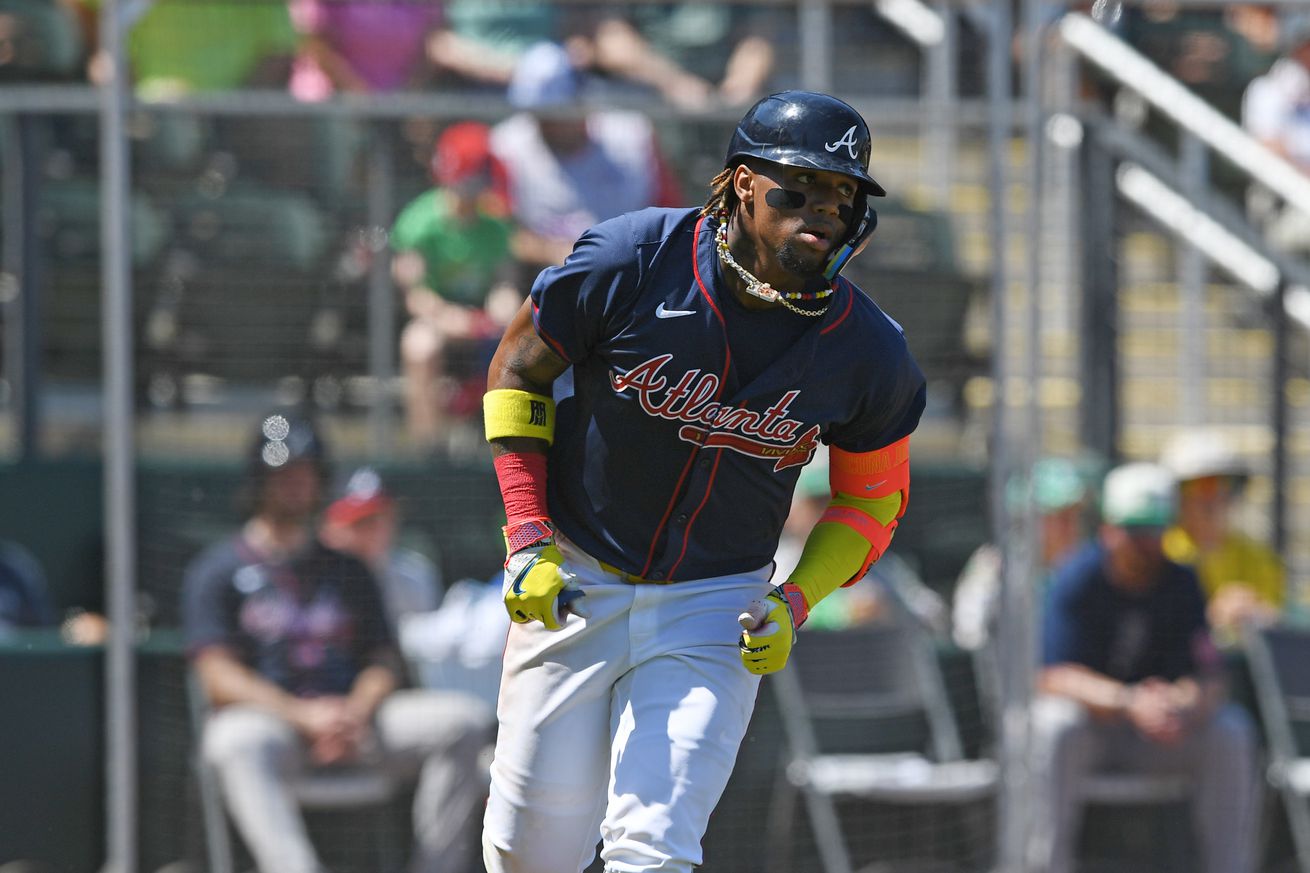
<point x="746" y="253"/>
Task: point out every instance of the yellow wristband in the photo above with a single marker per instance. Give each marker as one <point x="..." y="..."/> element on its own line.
<point x="512" y="413"/>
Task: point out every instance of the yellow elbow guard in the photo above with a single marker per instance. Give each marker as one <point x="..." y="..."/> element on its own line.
<point x="512" y="413"/>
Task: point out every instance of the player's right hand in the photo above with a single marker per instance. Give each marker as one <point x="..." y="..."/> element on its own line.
<point x="538" y="588"/>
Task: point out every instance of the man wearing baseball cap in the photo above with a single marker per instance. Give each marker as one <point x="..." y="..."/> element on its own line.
<point x="1132" y="683"/>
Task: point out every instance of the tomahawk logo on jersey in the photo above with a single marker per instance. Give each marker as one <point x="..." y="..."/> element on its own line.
<point x="642" y="381"/>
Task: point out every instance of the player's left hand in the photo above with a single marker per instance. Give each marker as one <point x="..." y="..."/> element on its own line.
<point x="769" y="632"/>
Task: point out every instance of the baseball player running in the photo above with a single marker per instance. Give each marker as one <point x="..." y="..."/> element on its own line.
<point x="649" y="411"/>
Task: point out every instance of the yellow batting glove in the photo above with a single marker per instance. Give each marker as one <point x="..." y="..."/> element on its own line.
<point x="534" y="580"/>
<point x="537" y="587"/>
<point x="769" y="629"/>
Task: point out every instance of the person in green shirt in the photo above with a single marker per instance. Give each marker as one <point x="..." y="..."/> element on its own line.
<point x="453" y="265"/>
<point x="184" y="47"/>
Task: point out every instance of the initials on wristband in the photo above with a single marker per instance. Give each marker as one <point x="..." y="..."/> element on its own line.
<point x="512" y="413"/>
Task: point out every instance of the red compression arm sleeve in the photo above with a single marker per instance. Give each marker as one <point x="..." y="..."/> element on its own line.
<point x="522" y="477"/>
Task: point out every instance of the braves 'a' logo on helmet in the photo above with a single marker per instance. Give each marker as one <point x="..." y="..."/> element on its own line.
<point x="848" y="140"/>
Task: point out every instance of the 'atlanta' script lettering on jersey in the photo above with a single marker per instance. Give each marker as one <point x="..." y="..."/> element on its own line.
<point x="769" y="434"/>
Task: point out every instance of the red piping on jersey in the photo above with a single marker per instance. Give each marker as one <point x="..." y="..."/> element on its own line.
<point x="850" y="301"/>
<point x="686" y="536"/>
<point x="541" y="332"/>
<point x="723" y="381"/>
<point x="695" y="267"/>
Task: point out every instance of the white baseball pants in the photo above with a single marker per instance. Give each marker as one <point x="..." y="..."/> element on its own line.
<point x="622" y="727"/>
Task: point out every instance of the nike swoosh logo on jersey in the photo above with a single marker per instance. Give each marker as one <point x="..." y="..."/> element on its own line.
<point x="875" y="485"/>
<point x="661" y="312"/>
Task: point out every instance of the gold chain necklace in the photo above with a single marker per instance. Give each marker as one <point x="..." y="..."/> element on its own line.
<point x="764" y="290"/>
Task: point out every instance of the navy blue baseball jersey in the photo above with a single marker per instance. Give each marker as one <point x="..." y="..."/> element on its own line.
<point x="688" y="418"/>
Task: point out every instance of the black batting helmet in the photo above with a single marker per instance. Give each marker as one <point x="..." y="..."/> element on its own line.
<point x="806" y="129"/>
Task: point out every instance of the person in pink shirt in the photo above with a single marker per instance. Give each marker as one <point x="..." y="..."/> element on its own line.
<point x="359" y="46"/>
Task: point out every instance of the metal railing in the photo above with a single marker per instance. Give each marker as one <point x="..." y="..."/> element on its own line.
<point x="1177" y="195"/>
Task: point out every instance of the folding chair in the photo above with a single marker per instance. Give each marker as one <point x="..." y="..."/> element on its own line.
<point x="322" y="789"/>
<point x="1277" y="658"/>
<point x="866" y="716"/>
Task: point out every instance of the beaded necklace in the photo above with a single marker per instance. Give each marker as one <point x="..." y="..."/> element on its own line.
<point x="764" y="290"/>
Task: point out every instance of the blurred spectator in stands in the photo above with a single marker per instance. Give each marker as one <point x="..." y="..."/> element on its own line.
<point x="1060" y="496"/>
<point x="1214" y="52"/>
<point x="482" y="40"/>
<point x="40" y="40"/>
<point x="695" y="55"/>
<point x="570" y="168"/>
<point x="24" y="595"/>
<point x="869" y="600"/>
<point x="1132" y="683"/>
<point x="182" y="47"/>
<point x="360" y="46"/>
<point x="1242" y="579"/>
<point x="364" y="521"/>
<point x="26" y="602"/>
<point x="1256" y="24"/>
<point x="1274" y="112"/>
<point x="291" y="645"/>
<point x="453" y="265"/>
<point x="1273" y="107"/>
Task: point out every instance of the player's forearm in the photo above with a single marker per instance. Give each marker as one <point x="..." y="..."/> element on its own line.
<point x="835" y="553"/>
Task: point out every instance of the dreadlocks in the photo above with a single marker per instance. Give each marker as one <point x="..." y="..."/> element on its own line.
<point x="722" y="195"/>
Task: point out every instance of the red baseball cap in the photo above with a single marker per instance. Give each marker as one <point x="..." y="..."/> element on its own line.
<point x="463" y="153"/>
<point x="363" y="496"/>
